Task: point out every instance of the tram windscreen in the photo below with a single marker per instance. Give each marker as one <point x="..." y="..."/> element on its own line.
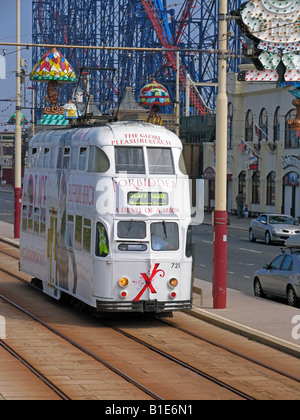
<point x="164" y="236"/>
<point x="131" y="230"/>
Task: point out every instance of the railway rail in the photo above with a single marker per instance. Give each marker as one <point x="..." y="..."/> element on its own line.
<point x="166" y="341"/>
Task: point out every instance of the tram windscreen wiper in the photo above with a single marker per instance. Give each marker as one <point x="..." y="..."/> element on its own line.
<point x="165" y="228"/>
<point x="129" y="227"/>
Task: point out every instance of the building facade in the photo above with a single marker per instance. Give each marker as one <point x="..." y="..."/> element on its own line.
<point x="263" y="155"/>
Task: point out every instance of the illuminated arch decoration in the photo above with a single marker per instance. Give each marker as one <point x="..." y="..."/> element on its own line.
<point x="274" y="26"/>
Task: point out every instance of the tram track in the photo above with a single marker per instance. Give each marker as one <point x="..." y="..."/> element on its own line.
<point x="35" y="371"/>
<point x="76" y="345"/>
<point x="134" y="382"/>
<point x="242" y="394"/>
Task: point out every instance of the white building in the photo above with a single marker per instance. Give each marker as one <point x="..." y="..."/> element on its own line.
<point x="263" y="156"/>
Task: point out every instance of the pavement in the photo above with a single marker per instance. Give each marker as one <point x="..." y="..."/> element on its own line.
<point x="267" y="321"/>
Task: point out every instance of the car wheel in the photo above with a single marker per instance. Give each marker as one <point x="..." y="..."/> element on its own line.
<point x="251" y="236"/>
<point x="268" y="239"/>
<point x="258" y="291"/>
<point x="292" y="297"/>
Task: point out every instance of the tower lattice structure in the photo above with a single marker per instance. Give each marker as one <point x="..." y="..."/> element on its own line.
<point x="145" y="24"/>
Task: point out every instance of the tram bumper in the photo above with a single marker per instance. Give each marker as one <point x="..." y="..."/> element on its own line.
<point x="149" y="306"/>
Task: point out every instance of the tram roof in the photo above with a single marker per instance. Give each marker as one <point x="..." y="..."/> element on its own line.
<point x="111" y="134"/>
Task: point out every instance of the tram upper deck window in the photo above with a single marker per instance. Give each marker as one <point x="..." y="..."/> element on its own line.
<point x="66" y="160"/>
<point x="164" y="236"/>
<point x="46" y="157"/>
<point x="34" y="155"/>
<point x="40" y="157"/>
<point x="82" y="158"/>
<point x="74" y="157"/>
<point x="160" y="161"/>
<point x="130" y="160"/>
<point x="98" y="161"/>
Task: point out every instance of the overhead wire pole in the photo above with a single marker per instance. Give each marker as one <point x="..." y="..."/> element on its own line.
<point x="18" y="140"/>
<point x="220" y="215"/>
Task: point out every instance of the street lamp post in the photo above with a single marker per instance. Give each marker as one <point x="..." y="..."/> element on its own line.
<point x="18" y="141"/>
<point x="220" y="216"/>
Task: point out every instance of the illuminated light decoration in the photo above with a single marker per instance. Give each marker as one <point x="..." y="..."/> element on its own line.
<point x="153" y="94"/>
<point x="70" y="110"/>
<point x="260" y="76"/>
<point x="53" y="68"/>
<point x="12" y="120"/>
<point x="274" y="26"/>
<point x="295" y="124"/>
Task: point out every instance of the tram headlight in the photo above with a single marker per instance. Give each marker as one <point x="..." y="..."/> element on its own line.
<point x="173" y="282"/>
<point x="123" y="282"/>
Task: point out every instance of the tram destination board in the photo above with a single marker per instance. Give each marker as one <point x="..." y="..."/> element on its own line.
<point x="148" y="198"/>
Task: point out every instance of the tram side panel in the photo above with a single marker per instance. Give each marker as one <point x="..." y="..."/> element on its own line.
<point x="33" y="233"/>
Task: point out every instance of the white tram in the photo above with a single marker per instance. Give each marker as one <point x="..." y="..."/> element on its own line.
<point x="106" y="215"/>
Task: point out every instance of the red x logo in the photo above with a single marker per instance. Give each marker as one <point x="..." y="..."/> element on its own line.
<point x="148" y="281"/>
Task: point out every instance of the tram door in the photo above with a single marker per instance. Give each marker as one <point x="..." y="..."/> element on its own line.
<point x="51" y="247"/>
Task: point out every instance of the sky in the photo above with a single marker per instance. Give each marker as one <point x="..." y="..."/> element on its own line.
<point x="8" y="34"/>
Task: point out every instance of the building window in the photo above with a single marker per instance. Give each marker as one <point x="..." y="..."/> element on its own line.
<point x="249" y="126"/>
<point x="263" y="125"/>
<point x="230" y="125"/>
<point x="291" y="136"/>
<point x="271" y="189"/>
<point x="242" y="182"/>
<point x="256" y="188"/>
<point x="276" y="125"/>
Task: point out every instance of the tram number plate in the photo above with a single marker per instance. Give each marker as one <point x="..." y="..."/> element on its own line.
<point x="175" y="265"/>
<point x="148" y="198"/>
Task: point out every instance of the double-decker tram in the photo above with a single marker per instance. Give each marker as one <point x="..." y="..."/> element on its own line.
<point x="106" y="215"/>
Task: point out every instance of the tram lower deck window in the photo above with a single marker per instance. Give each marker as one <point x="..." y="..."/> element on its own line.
<point x="131" y="230"/>
<point x="102" y="246"/>
<point x="164" y="236"/>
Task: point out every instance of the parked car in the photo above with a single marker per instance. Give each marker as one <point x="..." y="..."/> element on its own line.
<point x="273" y="228"/>
<point x="282" y="276"/>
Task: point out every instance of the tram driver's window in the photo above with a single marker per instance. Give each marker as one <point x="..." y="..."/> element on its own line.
<point x="130" y="160"/>
<point x="102" y="247"/>
<point x="164" y="236"/>
<point x="131" y="230"/>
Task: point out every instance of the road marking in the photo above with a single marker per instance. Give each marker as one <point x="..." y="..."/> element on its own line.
<point x="250" y="250"/>
<point x="207" y="242"/>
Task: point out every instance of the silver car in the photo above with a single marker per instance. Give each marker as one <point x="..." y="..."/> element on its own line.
<point x="273" y="228"/>
<point x="280" y="278"/>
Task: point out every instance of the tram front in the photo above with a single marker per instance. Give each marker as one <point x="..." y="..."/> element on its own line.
<point x="142" y="252"/>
